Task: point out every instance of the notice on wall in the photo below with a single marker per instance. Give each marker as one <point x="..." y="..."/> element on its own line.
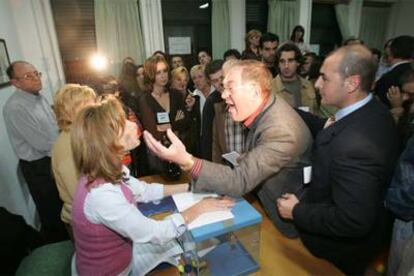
<point x="315" y="48"/>
<point x="179" y="45"/>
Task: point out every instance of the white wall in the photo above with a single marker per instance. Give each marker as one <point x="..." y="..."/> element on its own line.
<point x="237" y="10"/>
<point x="401" y="19"/>
<point x="27" y="26"/>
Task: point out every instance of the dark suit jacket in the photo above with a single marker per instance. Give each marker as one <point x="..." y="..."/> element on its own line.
<point x="207" y="125"/>
<point x="391" y="78"/>
<point x="342" y="217"/>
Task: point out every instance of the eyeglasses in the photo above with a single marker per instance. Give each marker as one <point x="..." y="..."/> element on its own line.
<point x="232" y="89"/>
<point x="30" y="76"/>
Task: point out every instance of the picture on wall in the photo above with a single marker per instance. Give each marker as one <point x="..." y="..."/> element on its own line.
<point x="4" y="63"/>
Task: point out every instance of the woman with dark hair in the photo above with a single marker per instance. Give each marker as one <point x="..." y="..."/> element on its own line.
<point x="128" y="86"/>
<point x="402" y="104"/>
<point x="161" y="107"/>
<point x="252" y="40"/>
<point x="140" y="77"/>
<point x="297" y="36"/>
<point x="112" y="237"/>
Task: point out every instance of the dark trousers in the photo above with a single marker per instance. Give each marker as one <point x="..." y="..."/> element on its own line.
<point x="42" y="187"/>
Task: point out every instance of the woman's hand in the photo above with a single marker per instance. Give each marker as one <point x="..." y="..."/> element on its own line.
<point x="189" y="102"/>
<point x="209" y="204"/>
<point x="395" y="97"/>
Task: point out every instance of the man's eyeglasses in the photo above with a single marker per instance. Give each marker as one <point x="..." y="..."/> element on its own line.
<point x="30" y="76"/>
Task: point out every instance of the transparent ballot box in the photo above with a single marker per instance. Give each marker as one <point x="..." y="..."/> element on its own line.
<point x="229" y="247"/>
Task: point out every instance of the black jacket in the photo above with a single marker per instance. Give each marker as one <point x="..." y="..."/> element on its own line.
<point x="342" y="217"/>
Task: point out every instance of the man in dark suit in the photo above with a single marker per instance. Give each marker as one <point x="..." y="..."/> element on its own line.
<point x="400" y="54"/>
<point x="341" y="216"/>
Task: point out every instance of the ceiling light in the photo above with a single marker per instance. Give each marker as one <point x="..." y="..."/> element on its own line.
<point x="203" y="6"/>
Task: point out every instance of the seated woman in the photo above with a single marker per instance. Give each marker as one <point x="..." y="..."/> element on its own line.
<point x="112" y="237"/>
<point x="162" y="107"/>
<point x="68" y="101"/>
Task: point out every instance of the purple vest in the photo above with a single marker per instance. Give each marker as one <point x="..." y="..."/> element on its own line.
<point x="99" y="250"/>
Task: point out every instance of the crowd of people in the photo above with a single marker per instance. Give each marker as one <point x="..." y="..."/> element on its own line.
<point x="281" y="109"/>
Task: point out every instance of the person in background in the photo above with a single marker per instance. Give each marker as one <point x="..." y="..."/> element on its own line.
<point x="176" y="61"/>
<point x="288" y="84"/>
<point x="128" y="60"/>
<point x="179" y="82"/>
<point x="252" y="50"/>
<point x="352" y="41"/>
<point x="32" y="130"/>
<point x="203" y="88"/>
<point x="399" y="57"/>
<point x="384" y="64"/>
<point x="268" y="46"/>
<point x="401" y="100"/>
<point x="297" y="36"/>
<point x="161" y="54"/>
<point x="214" y="73"/>
<point x="161" y="107"/>
<point x="140" y="77"/>
<point x="341" y="217"/>
<point x="309" y="59"/>
<point x="68" y="101"/>
<point x="376" y="54"/>
<point x="128" y="86"/>
<point x="112" y="237"/>
<point x="231" y="54"/>
<point x="204" y="56"/>
<point x="180" y="79"/>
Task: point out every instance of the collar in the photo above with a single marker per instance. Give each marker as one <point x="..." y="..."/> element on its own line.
<point x="398" y="63"/>
<point x="341" y="113"/>
<point x="249" y="121"/>
<point x="280" y="87"/>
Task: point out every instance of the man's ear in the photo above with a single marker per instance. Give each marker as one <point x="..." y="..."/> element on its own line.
<point x="15" y="83"/>
<point x="352" y="83"/>
<point x="256" y="90"/>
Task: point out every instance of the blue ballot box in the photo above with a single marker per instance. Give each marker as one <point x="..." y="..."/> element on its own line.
<point x="227" y="248"/>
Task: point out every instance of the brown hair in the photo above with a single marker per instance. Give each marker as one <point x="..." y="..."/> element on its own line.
<point x="253" y="71"/>
<point x="68" y="101"/>
<point x="95" y="138"/>
<point x="150" y="70"/>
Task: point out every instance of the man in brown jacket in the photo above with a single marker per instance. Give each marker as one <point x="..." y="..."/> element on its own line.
<point x="294" y="89"/>
<point x="277" y="145"/>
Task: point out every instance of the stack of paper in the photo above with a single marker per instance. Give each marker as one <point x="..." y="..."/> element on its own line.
<point x="186" y="200"/>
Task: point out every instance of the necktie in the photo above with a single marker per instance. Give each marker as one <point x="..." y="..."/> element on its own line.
<point x="329" y="122"/>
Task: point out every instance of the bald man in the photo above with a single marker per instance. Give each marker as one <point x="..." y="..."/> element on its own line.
<point x="342" y="217"/>
<point x="32" y="129"/>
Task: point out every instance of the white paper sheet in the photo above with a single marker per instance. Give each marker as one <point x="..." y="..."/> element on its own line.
<point x="186" y="200"/>
<point x="232" y="157"/>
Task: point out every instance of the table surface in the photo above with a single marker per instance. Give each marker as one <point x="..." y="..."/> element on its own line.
<point x="278" y="254"/>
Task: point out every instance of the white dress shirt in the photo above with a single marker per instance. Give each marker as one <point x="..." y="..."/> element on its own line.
<point x="153" y="241"/>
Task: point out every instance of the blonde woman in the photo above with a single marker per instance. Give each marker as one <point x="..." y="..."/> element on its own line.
<point x="180" y="79"/>
<point x="112" y="237"/>
<point x="252" y="40"/>
<point x="68" y="101"/>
